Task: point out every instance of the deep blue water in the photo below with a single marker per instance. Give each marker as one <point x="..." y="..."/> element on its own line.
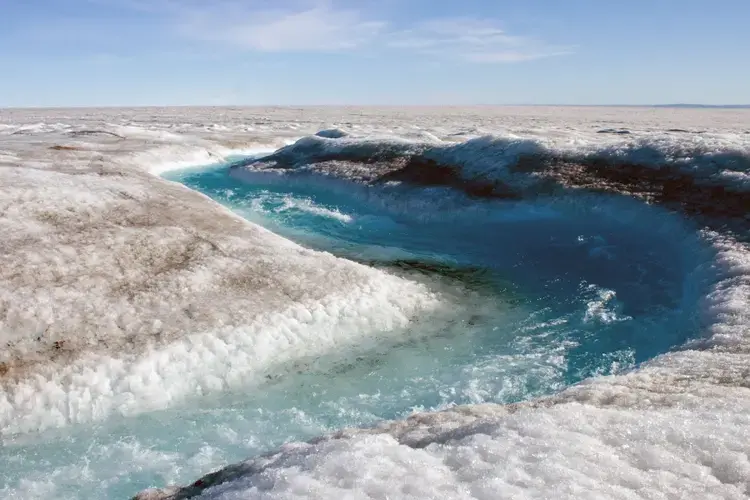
<point x="602" y="281"/>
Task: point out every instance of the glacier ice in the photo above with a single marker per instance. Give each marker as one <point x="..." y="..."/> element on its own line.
<point x="121" y="293"/>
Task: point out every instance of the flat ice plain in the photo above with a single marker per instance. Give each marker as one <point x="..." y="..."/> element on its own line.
<point x="122" y="293"/>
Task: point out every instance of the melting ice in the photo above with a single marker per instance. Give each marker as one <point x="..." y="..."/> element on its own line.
<point x="155" y="336"/>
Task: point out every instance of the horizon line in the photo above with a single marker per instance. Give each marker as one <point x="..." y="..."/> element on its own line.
<point x="445" y="105"/>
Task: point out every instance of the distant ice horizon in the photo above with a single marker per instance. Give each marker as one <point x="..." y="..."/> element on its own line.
<point x="384" y="105"/>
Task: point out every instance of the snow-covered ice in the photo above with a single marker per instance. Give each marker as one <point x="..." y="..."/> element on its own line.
<point x="122" y="293"/>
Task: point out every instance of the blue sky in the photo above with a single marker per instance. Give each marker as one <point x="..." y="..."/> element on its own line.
<point x="257" y="52"/>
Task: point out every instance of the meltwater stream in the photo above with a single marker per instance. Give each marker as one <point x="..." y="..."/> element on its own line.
<point x="597" y="282"/>
<point x="548" y="292"/>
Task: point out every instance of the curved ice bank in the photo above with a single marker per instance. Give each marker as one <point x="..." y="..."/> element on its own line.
<point x="678" y="427"/>
<point x="121" y="292"/>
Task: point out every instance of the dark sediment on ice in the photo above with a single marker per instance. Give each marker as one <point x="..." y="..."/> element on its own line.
<point x="542" y="175"/>
<point x="665" y="186"/>
<point x="473" y="277"/>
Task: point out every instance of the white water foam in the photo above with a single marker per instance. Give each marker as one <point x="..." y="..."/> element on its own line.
<point x="601" y="308"/>
<point x="307" y="205"/>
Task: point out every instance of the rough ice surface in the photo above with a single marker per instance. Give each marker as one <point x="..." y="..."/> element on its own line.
<point x="122" y="293"/>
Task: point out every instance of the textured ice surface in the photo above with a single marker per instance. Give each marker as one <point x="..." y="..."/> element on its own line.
<point x="711" y="158"/>
<point x="121" y="292"/>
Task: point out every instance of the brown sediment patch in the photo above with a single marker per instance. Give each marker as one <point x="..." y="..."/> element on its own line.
<point x="532" y="175"/>
<point x="665" y="186"/>
<point x="427" y="172"/>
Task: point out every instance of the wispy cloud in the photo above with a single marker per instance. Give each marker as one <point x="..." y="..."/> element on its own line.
<point x="305" y="26"/>
<point x="318" y="28"/>
<point x="472" y="40"/>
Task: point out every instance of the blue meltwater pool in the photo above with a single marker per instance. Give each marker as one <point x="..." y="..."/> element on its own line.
<point x="546" y="292"/>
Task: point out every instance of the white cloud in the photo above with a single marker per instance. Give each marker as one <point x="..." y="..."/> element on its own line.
<point x="314" y="29"/>
<point x="319" y="26"/>
<point x="472" y="40"/>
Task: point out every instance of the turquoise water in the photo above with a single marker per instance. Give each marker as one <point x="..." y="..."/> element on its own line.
<point x="608" y="276"/>
<point x="551" y="292"/>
